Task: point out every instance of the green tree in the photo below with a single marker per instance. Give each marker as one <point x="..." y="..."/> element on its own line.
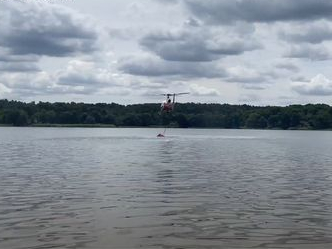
<point x="256" y="120"/>
<point x="89" y="120"/>
<point x="182" y="120"/>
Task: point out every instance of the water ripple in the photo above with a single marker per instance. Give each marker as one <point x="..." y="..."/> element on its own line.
<point x="124" y="188"/>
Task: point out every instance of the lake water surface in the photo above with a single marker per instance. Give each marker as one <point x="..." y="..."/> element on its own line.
<point x="125" y="188"/>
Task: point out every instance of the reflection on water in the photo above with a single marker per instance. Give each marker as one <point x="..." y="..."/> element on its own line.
<point x="125" y="188"/>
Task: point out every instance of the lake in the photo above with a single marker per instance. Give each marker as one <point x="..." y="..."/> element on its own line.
<point x="195" y="188"/>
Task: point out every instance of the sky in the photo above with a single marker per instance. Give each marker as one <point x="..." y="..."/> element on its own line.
<point x="255" y="52"/>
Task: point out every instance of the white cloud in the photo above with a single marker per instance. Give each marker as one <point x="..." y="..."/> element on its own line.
<point x="197" y="90"/>
<point x="242" y="74"/>
<point x="311" y="52"/>
<point x="318" y="85"/>
<point x="249" y="98"/>
<point x="315" y="33"/>
<point x="150" y="66"/>
<point x="87" y="74"/>
<point x="4" y="90"/>
<point x="79" y="77"/>
<point x="135" y="49"/>
<point x="45" y="29"/>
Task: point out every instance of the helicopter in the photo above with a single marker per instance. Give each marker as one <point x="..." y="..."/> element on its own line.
<point x="169" y="104"/>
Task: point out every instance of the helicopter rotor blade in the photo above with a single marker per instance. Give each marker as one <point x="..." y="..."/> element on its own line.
<point x="181" y="93"/>
<point x="171" y="94"/>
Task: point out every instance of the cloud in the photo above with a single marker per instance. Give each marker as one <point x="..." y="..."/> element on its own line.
<point x="17" y="63"/>
<point x="49" y="51"/>
<point x="118" y="91"/>
<point x="122" y="33"/>
<point x="249" y="98"/>
<point x="81" y="77"/>
<point x="5" y="56"/>
<point x="198" y="90"/>
<point x="299" y="78"/>
<point x="288" y="66"/>
<point x="253" y="86"/>
<point x="41" y="83"/>
<point x="192" y="22"/>
<point x="168" y="1"/>
<point x="149" y="86"/>
<point x="225" y="11"/>
<point x="155" y="67"/>
<point x="18" y="67"/>
<point x="28" y="84"/>
<point x="4" y="90"/>
<point x="37" y="28"/>
<point x="86" y="74"/>
<point x="315" y="33"/>
<point x="240" y="74"/>
<point x="312" y="52"/>
<point x="317" y="86"/>
<point x="198" y="43"/>
<point x="78" y="77"/>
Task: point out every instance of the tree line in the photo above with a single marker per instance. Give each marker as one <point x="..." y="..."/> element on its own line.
<point x="310" y="116"/>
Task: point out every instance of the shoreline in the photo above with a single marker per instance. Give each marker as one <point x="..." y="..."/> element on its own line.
<point x="114" y="126"/>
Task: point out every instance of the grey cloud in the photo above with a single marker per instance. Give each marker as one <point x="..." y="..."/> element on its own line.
<point x="87" y="74"/>
<point x="299" y="78"/>
<point x="226" y="11"/>
<point x="51" y="91"/>
<point x="17" y="63"/>
<point x="315" y="33"/>
<point x="248" y="77"/>
<point x="27" y="83"/>
<point x="253" y="86"/>
<point x="137" y="85"/>
<point x="314" y="53"/>
<point x="41" y="83"/>
<point x="87" y="80"/>
<point x="154" y="67"/>
<point x="245" y="98"/>
<point x="122" y="33"/>
<point x="7" y="57"/>
<point x="181" y="48"/>
<point x="197" y="90"/>
<point x="74" y="79"/>
<point x="32" y="42"/>
<point x="18" y="67"/>
<point x="168" y="1"/>
<point x="192" y="22"/>
<point x="232" y="48"/>
<point x="317" y="86"/>
<point x="317" y="91"/>
<point x="287" y="66"/>
<point x="197" y="44"/>
<point x="45" y="29"/>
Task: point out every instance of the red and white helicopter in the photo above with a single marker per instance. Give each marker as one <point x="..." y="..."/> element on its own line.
<point x="168" y="104"/>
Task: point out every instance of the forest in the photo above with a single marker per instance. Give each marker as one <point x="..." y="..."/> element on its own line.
<point x="186" y="115"/>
